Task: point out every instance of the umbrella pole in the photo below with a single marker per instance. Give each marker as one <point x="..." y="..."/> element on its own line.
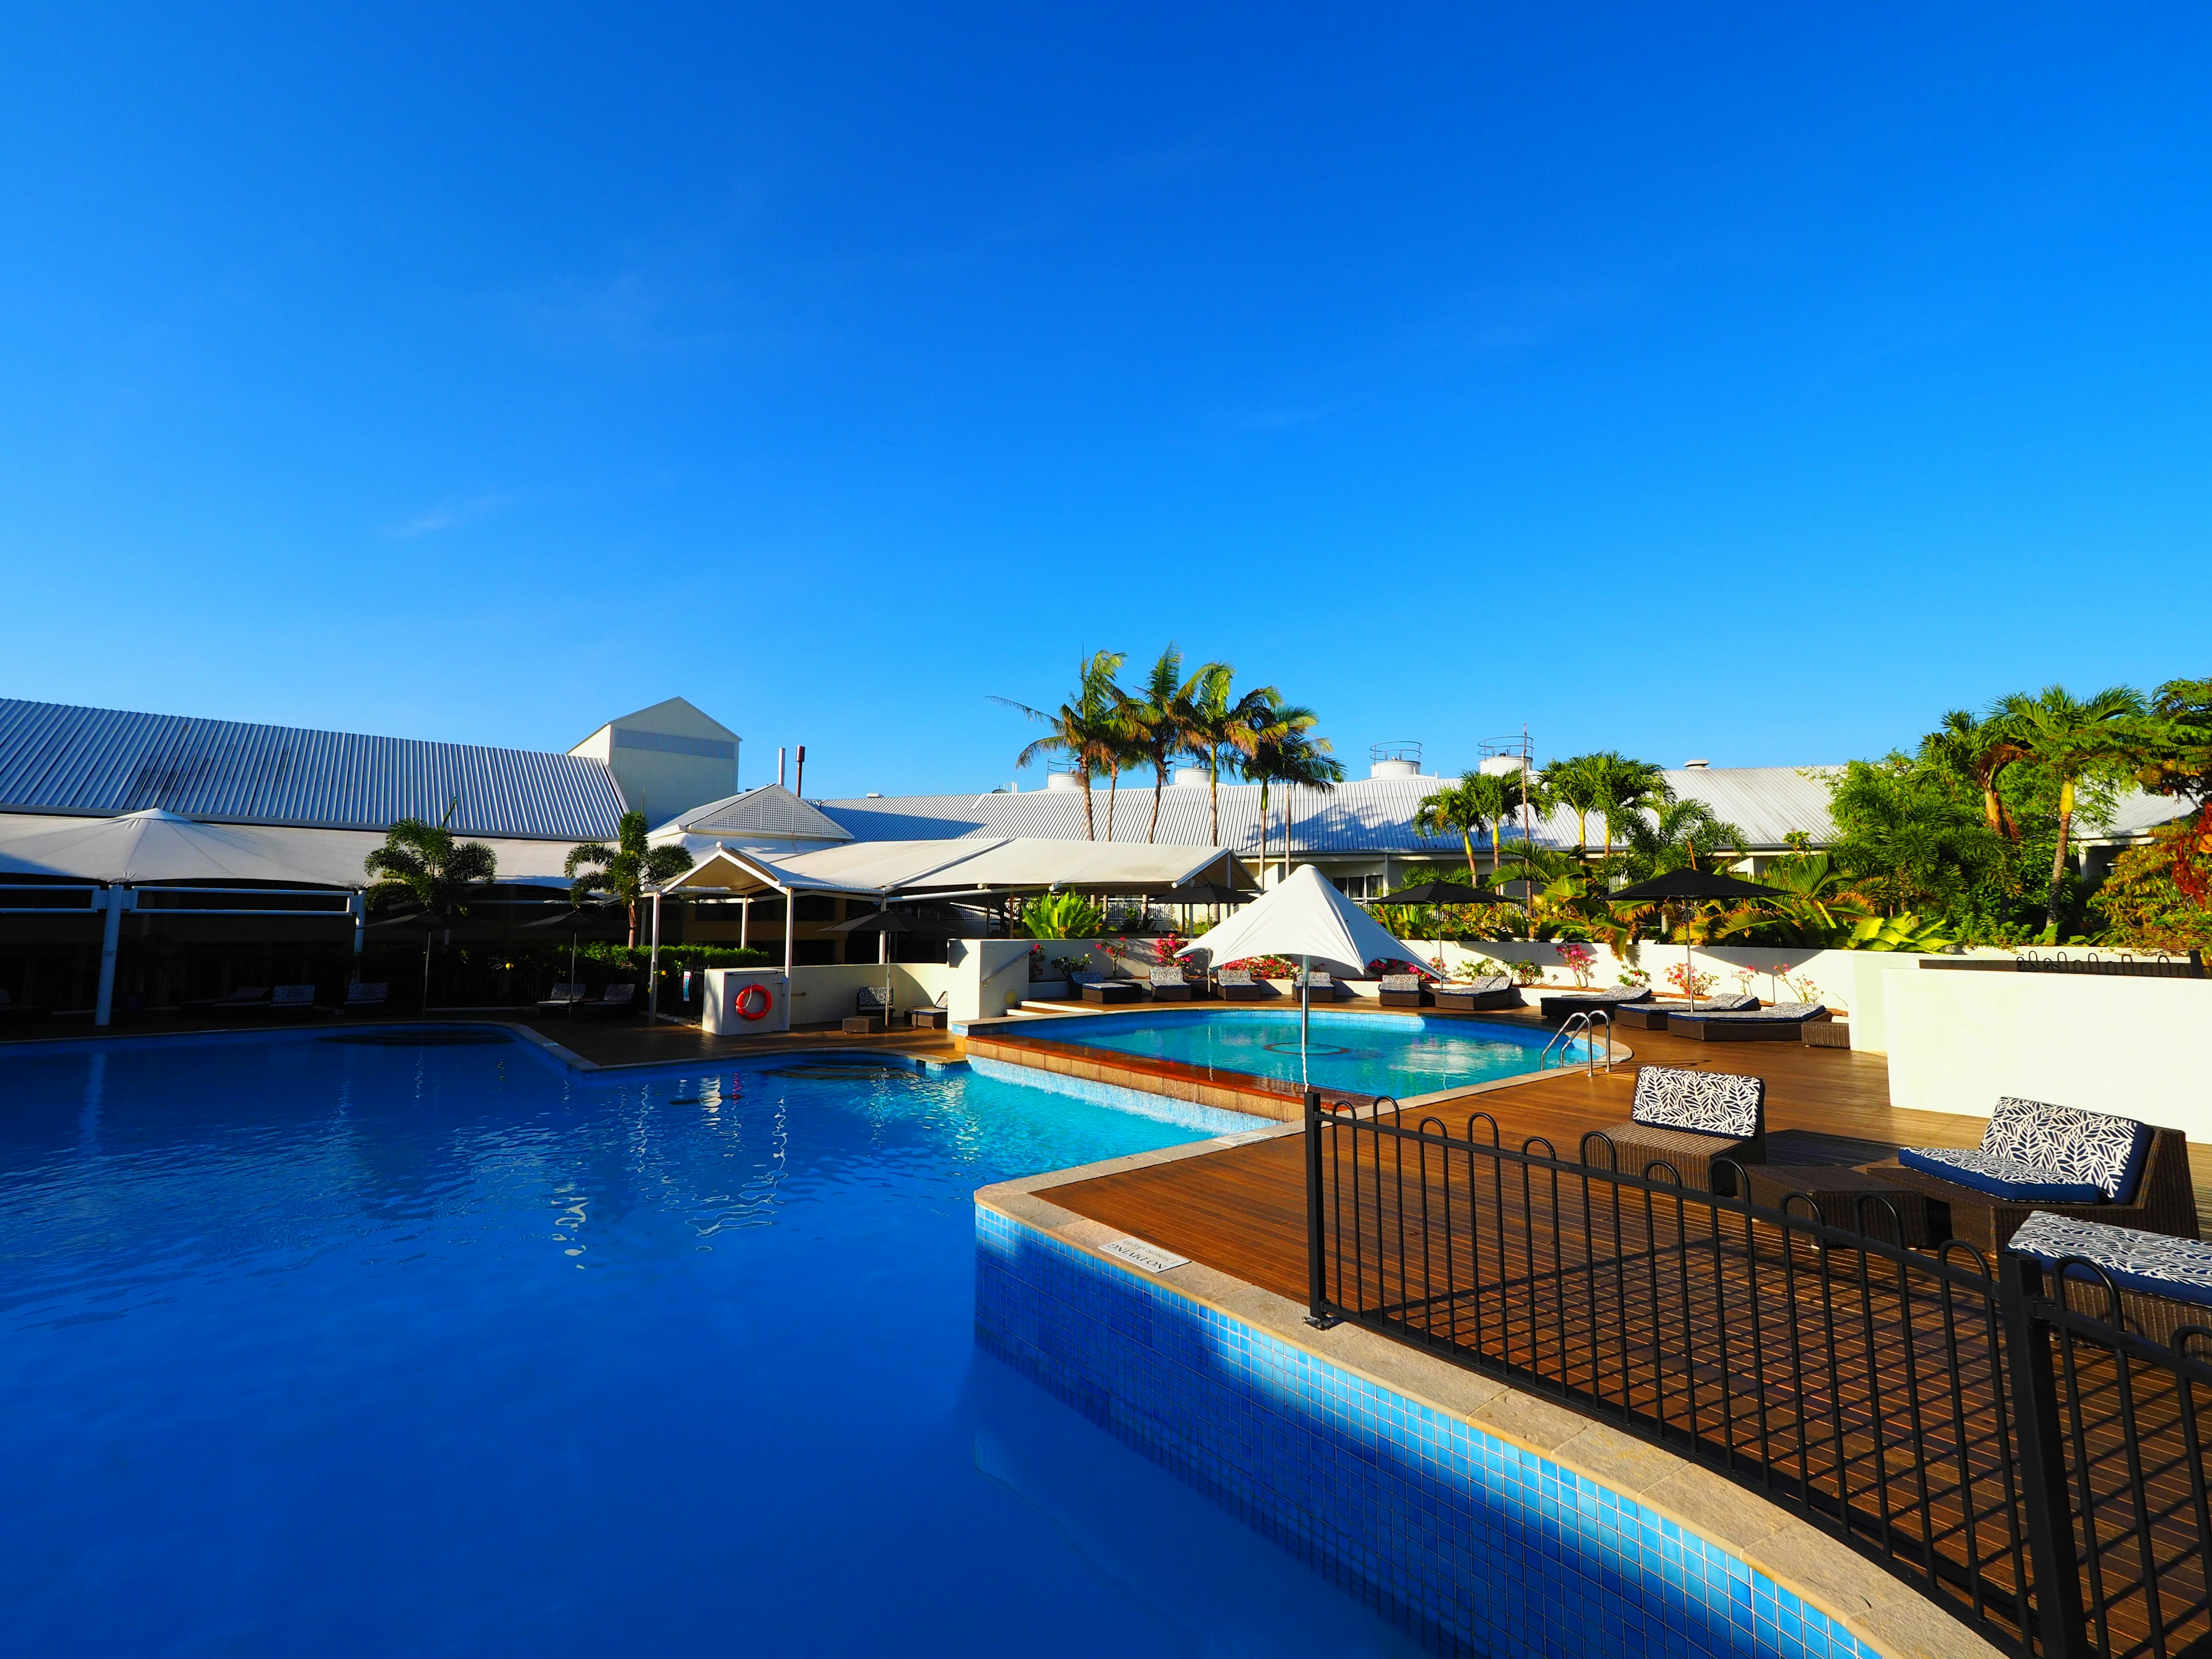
<point x="1305" y="1016"/>
<point x="426" y="971"/>
<point x="1689" y="974"/>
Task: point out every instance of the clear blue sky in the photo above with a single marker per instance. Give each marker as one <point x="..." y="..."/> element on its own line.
<point x="1752" y="384"/>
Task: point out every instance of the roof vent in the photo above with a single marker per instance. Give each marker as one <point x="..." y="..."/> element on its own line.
<point x="1695" y="765"/>
<point x="875" y="795"/>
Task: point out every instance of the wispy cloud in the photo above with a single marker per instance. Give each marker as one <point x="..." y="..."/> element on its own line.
<point x="454" y="515"/>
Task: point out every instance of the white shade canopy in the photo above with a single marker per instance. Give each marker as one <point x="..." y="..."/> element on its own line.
<point x="1305" y="917"/>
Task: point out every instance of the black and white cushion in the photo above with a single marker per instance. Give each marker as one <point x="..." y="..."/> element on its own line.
<point x="1399" y="983"/>
<point x="1627" y="993"/>
<point x="1783" y="1014"/>
<point x="1706" y="1103"/>
<point x="1167" y="976"/>
<point x="1999" y="1175"/>
<point x="2106" y="1152"/>
<point x="1234" y="976"/>
<point x="2179" y="1269"/>
<point x="1485" y="985"/>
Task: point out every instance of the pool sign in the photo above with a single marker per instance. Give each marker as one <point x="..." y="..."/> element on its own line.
<point x="1138" y="1254"/>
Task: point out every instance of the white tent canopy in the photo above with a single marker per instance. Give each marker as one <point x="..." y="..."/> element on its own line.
<point x="1306" y="918"/>
<point x="882" y="868"/>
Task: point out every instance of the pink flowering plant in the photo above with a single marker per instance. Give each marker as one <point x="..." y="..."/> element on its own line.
<point x="1581" y="961"/>
<point x="1688" y="984"/>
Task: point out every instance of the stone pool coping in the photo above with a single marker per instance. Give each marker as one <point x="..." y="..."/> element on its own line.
<point x="1008" y="1041"/>
<point x="1881" y="1610"/>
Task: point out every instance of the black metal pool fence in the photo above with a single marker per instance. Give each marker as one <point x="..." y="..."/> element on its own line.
<point x="2015" y="1454"/>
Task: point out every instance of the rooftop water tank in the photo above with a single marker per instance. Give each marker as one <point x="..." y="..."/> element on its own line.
<point x="1502" y="766"/>
<point x="1192" y="775"/>
<point x="1063" y="781"/>
<point x="1400" y="757"/>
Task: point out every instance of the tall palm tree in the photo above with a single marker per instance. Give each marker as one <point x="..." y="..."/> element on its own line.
<point x="1628" y="788"/>
<point x="1126" y="743"/>
<point x="1478" y="804"/>
<point x="1162" y="719"/>
<point x="1580" y="784"/>
<point x="624" y="870"/>
<point x="1287" y="753"/>
<point x="1977" y="750"/>
<point x="1224" y="724"/>
<point x="425" y="862"/>
<point x="1082" y="728"/>
<point x="1680" y="833"/>
<point x="2069" y="738"/>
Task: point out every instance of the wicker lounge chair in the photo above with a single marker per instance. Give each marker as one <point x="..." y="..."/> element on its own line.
<point x="242" y="998"/>
<point x="2164" y="1283"/>
<point x="1104" y="988"/>
<point x="1170" y="985"/>
<point x="1685" y="1119"/>
<point x="1399" y="991"/>
<point x="1558" y="1004"/>
<point x="1785" y="1022"/>
<point x="362" y="999"/>
<point x="615" y="1000"/>
<point x="931" y="1017"/>
<point x="1319" y="988"/>
<point x="872" y="1010"/>
<point x="1654" y="1015"/>
<point x="1469" y="996"/>
<point x="1238" y="985"/>
<point x="2091" y="1166"/>
<point x="564" y="996"/>
<point x="291" y="1002"/>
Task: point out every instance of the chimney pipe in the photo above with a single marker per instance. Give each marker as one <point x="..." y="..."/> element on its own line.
<point x="779" y="765"/>
<point x="799" y="785"/>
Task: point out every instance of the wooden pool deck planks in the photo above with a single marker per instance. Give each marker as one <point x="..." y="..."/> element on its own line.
<point x="1241" y="1210"/>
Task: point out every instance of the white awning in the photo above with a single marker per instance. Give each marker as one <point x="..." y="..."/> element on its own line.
<point x="883" y="868"/>
<point x="1305" y="917"/>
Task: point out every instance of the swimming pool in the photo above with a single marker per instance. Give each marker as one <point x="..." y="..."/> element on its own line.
<point x="380" y="1347"/>
<point x="1377" y="1053"/>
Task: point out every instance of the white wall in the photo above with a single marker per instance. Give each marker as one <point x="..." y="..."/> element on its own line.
<point x="827" y="992"/>
<point x="2139" y="1047"/>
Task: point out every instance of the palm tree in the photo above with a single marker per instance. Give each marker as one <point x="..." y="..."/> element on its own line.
<point x="1581" y="785"/>
<point x="425" y="862"/>
<point x="1125" y="743"/>
<point x="1162" y="719"/>
<point x="624" y="870"/>
<point x="2070" y="739"/>
<point x="1627" y="789"/>
<point x="1287" y="753"/>
<point x="1678" y="834"/>
<point x="1223" y="724"/>
<point x="1977" y="750"/>
<point x="1082" y="729"/>
<point x="1479" y="802"/>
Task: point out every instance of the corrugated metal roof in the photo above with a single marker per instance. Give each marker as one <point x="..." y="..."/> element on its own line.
<point x="1371" y="814"/>
<point x="768" y="809"/>
<point x="102" y="761"/>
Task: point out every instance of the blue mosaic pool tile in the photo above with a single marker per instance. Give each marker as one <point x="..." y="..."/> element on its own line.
<point x="1479" y="1547"/>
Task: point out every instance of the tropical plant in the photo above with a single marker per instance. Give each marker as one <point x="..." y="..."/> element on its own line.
<point x="1224" y="723"/>
<point x="1627" y="789"/>
<point x="1813" y="901"/>
<point x="2171" y="753"/>
<point x="1478" y="804"/>
<point x="625" y="870"/>
<point x="1088" y="729"/>
<point x="2144" y="906"/>
<point x="2070" y="740"/>
<point x="1285" y="751"/>
<point x="1977" y="750"/>
<point x="1162" y="720"/>
<point x="1582" y="784"/>
<point x="1677" y="835"/>
<point x="1900" y="932"/>
<point x="1908" y="834"/>
<point x="1061" y="915"/>
<point x="427" y="863"/>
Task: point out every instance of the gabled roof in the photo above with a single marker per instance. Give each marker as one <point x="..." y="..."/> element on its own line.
<point x="673" y="717"/>
<point x="767" y="810"/>
<point x="941" y="865"/>
<point x="99" y="763"/>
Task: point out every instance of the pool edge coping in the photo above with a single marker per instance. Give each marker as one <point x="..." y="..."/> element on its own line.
<point x="1880" y="1609"/>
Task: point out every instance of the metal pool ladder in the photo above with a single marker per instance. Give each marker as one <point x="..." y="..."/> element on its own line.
<point x="1585" y="1024"/>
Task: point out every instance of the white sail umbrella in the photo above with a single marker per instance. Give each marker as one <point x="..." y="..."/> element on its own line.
<point x="1307" y="918"/>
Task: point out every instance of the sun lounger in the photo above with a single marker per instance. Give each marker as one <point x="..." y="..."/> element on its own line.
<point x="362" y="999"/>
<point x="565" y="996"/>
<point x="2091" y="1166"/>
<point x="1469" y="996"/>
<point x="2164" y="1283"/>
<point x="1781" y="1022"/>
<point x="1318" y="988"/>
<point x="1558" y="1004"/>
<point x="615" y="1000"/>
<point x="1238" y="985"/>
<point x="291" y="1001"/>
<point x="1170" y="985"/>
<point x="872" y="1008"/>
<point x="931" y="1017"/>
<point x="1653" y="1016"/>
<point x="232" y="1001"/>
<point x="1104" y="988"/>
<point x="1399" y="991"/>
<point x="1684" y="1120"/>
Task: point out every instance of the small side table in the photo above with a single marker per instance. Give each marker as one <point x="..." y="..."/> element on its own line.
<point x="929" y="1019"/>
<point x="1836" y="1190"/>
<point x="863" y="1024"/>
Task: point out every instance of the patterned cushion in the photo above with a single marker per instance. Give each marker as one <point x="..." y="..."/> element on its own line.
<point x="1401" y="982"/>
<point x="2178" y="1269"/>
<point x="1235" y="976"/>
<point x="1728" y="1005"/>
<point x="1708" y="1103"/>
<point x="2108" y="1152"/>
<point x="1627" y="993"/>
<point x="1488" y="984"/>
<point x="1782" y="1012"/>
<point x="2000" y="1177"/>
<point x="1167" y="976"/>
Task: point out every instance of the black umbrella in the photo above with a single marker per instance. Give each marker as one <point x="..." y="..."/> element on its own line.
<point x="429" y="921"/>
<point x="1685" y="885"/>
<point x="574" y="920"/>
<point x="1442" y="892"/>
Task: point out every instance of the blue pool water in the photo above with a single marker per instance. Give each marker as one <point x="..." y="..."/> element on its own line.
<point x="1374" y="1053"/>
<point x="348" y="1349"/>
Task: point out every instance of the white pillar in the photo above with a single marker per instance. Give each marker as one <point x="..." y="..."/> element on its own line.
<point x="882" y="939"/>
<point x="111" y="936"/>
<point x="745" y="922"/>
<point x="653" y="965"/>
<point x="790" y="927"/>
<point x="357" y="907"/>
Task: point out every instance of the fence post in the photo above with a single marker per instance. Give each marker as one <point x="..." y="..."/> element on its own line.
<point x="1317" y="1313"/>
<point x="2060" y="1631"/>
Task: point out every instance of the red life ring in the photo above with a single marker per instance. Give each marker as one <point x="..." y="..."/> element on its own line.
<point x="754" y="1001"/>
